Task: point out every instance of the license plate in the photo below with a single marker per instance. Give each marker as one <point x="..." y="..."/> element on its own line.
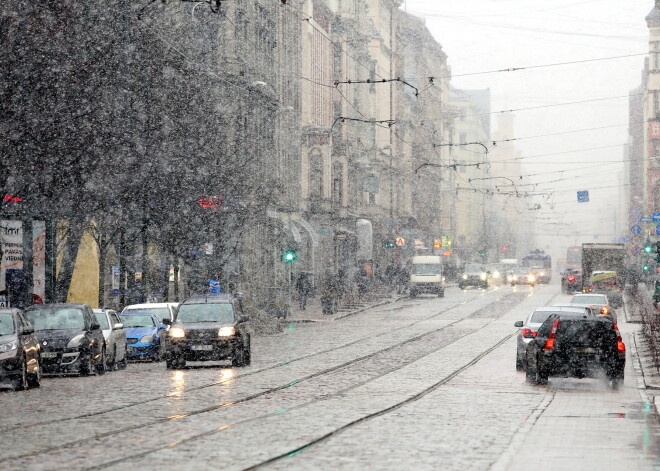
<point x="201" y="347"/>
<point x="49" y="355"/>
<point x="586" y="350"/>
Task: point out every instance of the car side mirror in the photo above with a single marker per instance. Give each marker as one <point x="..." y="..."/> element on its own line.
<point x="95" y="326"/>
<point x="519" y="324"/>
<point x="162" y="326"/>
<point x="27" y="330"/>
<point x="167" y="321"/>
<point x="242" y="319"/>
<point x="118" y="326"/>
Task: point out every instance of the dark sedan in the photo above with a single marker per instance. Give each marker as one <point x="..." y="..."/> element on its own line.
<point x="70" y="336"/>
<point x="578" y="346"/>
<point x="20" y="353"/>
<point x="209" y="328"/>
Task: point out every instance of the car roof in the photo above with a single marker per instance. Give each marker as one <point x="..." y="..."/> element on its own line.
<point x="147" y="305"/>
<point x="140" y="313"/>
<point x="562" y="308"/>
<point x="581" y="316"/>
<point x="57" y="305"/>
<point x="209" y="299"/>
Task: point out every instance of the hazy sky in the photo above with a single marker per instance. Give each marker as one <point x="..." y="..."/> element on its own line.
<point x="499" y="34"/>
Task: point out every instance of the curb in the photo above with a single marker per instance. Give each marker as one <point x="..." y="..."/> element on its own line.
<point x="348" y="314"/>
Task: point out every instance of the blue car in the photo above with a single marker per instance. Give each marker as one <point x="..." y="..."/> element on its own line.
<point x="144" y="333"/>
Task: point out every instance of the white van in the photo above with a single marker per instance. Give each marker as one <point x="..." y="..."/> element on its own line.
<point x="426" y="275"/>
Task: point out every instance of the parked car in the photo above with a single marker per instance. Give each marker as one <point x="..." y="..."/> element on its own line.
<point x="144" y="331"/>
<point x="161" y="310"/>
<point x="474" y="274"/>
<point x="523" y="276"/>
<point x="530" y="327"/>
<point x="578" y="346"/>
<point x="20" y="352"/>
<point x="209" y="328"/>
<point x="70" y="336"/>
<point x="115" y="338"/>
<point x="599" y="301"/>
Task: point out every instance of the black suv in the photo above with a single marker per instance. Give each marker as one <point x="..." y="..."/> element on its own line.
<point x="578" y="346"/>
<point x="70" y="336"/>
<point x="208" y="328"/>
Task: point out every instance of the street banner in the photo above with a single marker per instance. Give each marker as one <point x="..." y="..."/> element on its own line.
<point x="11" y="237"/>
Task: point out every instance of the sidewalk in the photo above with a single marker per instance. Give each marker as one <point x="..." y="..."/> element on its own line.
<point x="314" y="313"/>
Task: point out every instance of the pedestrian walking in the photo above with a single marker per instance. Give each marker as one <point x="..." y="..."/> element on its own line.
<point x="303" y="286"/>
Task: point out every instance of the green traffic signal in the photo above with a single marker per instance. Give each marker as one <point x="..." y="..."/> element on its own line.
<point x="289" y="256"/>
<point x="645" y="268"/>
<point x="648" y="248"/>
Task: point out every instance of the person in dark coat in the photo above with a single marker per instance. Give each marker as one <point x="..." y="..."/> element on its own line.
<point x="303" y="286"/>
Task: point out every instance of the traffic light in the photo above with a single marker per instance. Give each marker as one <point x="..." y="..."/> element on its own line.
<point x="504" y="248"/>
<point x="389" y="243"/>
<point x="645" y="268"/>
<point x="290" y="252"/>
<point x="289" y="256"/>
<point x="482" y="253"/>
<point x="647" y="247"/>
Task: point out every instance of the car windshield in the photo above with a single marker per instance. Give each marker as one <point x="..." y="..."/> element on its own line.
<point x="540" y="316"/>
<point x="588" y="299"/>
<point x="215" y="312"/>
<point x="102" y="319"/>
<point x="56" y="318"/>
<point x="426" y="269"/>
<point x="6" y="324"/>
<point x="471" y="268"/>
<point x="160" y="312"/>
<point x="135" y="320"/>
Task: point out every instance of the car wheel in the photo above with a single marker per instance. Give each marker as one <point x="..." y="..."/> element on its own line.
<point x="112" y="363"/>
<point x="34" y="379"/>
<point x="101" y="363"/>
<point x="121" y="365"/>
<point x="441" y="294"/>
<point x="541" y="376"/>
<point x="238" y="359"/>
<point x="173" y="363"/>
<point x="520" y="366"/>
<point x="21" y="382"/>
<point x="413" y="293"/>
<point x="247" y="352"/>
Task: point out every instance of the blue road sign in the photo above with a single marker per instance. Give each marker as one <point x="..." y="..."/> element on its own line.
<point x="645" y="219"/>
<point x="583" y="196"/>
<point x="657" y="229"/>
<point x="656" y="217"/>
<point x="636" y="229"/>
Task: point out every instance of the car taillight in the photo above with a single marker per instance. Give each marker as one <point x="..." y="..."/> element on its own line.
<point x="620" y="346"/>
<point x="571" y="278"/>
<point x="550" y="343"/>
<point x="604" y="311"/>
<point x="528" y="333"/>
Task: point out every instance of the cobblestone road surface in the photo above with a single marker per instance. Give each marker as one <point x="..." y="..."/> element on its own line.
<point x="418" y="384"/>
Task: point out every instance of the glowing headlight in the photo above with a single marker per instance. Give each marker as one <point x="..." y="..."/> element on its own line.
<point x="226" y="332"/>
<point x="75" y="342"/>
<point x="9" y="346"/>
<point x="496" y="274"/>
<point x="483" y="276"/>
<point x="531" y="278"/>
<point x="147" y="339"/>
<point x="177" y="333"/>
<point x="464" y="276"/>
<point x="542" y="273"/>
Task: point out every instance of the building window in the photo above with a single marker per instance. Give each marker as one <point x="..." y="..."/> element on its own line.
<point x="315" y="174"/>
<point x="462" y="138"/>
<point x="656" y="55"/>
<point x="337" y="183"/>
<point x="370" y="185"/>
<point x="656" y="104"/>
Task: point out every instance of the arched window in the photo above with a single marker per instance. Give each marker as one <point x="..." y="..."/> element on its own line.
<point x="315" y="174"/>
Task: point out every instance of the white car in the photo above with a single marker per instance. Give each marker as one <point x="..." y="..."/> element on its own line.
<point x="115" y="338"/>
<point x="599" y="301"/>
<point x="161" y="310"/>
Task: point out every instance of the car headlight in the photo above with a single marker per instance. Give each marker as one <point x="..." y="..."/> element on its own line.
<point x="496" y="274"/>
<point x="531" y="278"/>
<point x="9" y="346"/>
<point x="177" y="333"/>
<point x="464" y="276"/>
<point x="542" y="273"/>
<point x="226" y="332"/>
<point x="482" y="276"/>
<point x="147" y="339"/>
<point x="76" y="341"/>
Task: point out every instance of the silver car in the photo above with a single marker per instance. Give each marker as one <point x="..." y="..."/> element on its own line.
<point x="531" y="325"/>
<point x="598" y="301"/>
<point x="115" y="338"/>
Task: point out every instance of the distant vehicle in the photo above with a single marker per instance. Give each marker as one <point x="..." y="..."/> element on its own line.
<point x="578" y="346"/>
<point x="20" y="351"/>
<point x="574" y="258"/>
<point x="608" y="283"/>
<point x="530" y="327"/>
<point x="162" y="310"/>
<point x="70" y="336"/>
<point x="540" y="261"/>
<point x="571" y="280"/>
<point x="209" y="328"/>
<point x="474" y="274"/>
<point x="115" y="338"/>
<point x="523" y="276"/>
<point x="143" y="335"/>
<point x="601" y="258"/>
<point x="497" y="273"/>
<point x="599" y="301"/>
<point x="426" y="275"/>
